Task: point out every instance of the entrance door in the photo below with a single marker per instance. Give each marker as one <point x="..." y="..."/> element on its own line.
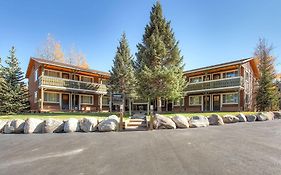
<point x="207" y="102"/>
<point x="216" y="102"/>
<point x="75" y="102"/>
<point x="65" y="101"/>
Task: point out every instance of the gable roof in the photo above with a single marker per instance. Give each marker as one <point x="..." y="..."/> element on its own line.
<point x="253" y="63"/>
<point x="63" y="65"/>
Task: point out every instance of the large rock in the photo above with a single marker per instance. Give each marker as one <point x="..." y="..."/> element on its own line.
<point x="230" y="119"/>
<point x="277" y="115"/>
<point x="242" y="117"/>
<point x="89" y="124"/>
<point x="33" y="125"/>
<point x="251" y="118"/>
<point x="114" y="117"/>
<point x="108" y="125"/>
<point x="215" y="119"/>
<point x="262" y="116"/>
<point x="53" y="126"/>
<point x="198" y="121"/>
<point x="162" y="122"/>
<point x="2" y="124"/>
<point x="181" y="121"/>
<point x="14" y="126"/>
<point x="71" y="125"/>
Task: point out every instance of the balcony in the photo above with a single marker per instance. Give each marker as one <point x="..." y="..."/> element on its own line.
<point x="212" y="85"/>
<point x="66" y="84"/>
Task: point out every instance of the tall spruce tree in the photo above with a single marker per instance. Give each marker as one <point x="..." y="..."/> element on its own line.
<point x="16" y="99"/>
<point x="4" y="94"/>
<point x="159" y="65"/>
<point x="122" y="79"/>
<point x="267" y="92"/>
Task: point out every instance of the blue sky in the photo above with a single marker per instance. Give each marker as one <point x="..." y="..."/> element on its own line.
<point x="209" y="32"/>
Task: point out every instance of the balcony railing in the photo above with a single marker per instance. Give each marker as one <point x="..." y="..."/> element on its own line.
<point x="215" y="84"/>
<point x="71" y="84"/>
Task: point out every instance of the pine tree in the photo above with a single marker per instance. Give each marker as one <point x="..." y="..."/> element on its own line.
<point x="4" y="93"/>
<point x="16" y="99"/>
<point x="159" y="66"/>
<point x="267" y="92"/>
<point x="122" y="79"/>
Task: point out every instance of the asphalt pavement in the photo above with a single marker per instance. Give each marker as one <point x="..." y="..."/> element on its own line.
<point x="232" y="149"/>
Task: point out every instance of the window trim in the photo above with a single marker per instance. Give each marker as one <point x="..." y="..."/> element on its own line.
<point x="199" y="76"/>
<point x="45" y="101"/>
<point x="200" y="104"/>
<point x="225" y="103"/>
<point x="87" y="96"/>
<point x="60" y="72"/>
<point x="35" y="75"/>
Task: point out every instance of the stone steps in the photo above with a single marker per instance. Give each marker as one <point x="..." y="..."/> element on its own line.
<point x="136" y="124"/>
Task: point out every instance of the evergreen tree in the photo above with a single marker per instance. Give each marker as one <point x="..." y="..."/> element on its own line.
<point x="4" y="95"/>
<point x="122" y="79"/>
<point x="16" y="99"/>
<point x="267" y="92"/>
<point x="159" y="66"/>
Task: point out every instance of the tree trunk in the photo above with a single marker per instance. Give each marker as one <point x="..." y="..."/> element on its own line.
<point x="159" y="106"/>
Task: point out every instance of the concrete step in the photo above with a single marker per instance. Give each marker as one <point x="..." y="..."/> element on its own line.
<point x="135" y="128"/>
<point x="137" y="124"/>
<point x="136" y="120"/>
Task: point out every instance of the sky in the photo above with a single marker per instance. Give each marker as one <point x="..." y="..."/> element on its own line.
<point x="209" y="31"/>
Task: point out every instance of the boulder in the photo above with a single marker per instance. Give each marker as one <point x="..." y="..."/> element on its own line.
<point x="262" y="116"/>
<point x="242" y="117"/>
<point x="89" y="124"/>
<point x="14" y="126"/>
<point x="2" y="124"/>
<point x="181" y="121"/>
<point x="114" y="117"/>
<point x="8" y="128"/>
<point x="33" y="125"/>
<point x="230" y="119"/>
<point x="108" y="125"/>
<point x="277" y="115"/>
<point x="71" y="125"/>
<point x="162" y="122"/>
<point x="53" y="126"/>
<point x="215" y="119"/>
<point x="198" y="121"/>
<point x="251" y="118"/>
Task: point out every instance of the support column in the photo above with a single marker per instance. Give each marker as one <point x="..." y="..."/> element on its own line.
<point x="130" y="106"/>
<point x="110" y="102"/>
<point x="100" y="103"/>
<point x="42" y="99"/>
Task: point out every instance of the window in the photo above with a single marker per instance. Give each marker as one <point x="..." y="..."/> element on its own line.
<point x="230" y="74"/>
<point x="51" y="97"/>
<point x="52" y="73"/>
<point x="195" y="100"/>
<point x="35" y="97"/>
<point x="230" y="98"/>
<point x="195" y="79"/>
<point x="35" y="75"/>
<point x="86" y="79"/>
<point x="87" y="99"/>
<point x="179" y="102"/>
<point x="105" y="100"/>
<point x="216" y="76"/>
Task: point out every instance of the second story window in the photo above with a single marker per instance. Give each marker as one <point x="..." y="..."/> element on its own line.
<point x="86" y="79"/>
<point x="35" y="75"/>
<point x="52" y="73"/>
<point x="195" y="79"/>
<point x="230" y="74"/>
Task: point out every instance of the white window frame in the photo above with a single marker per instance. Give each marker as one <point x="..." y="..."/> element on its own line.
<point x="87" y="96"/>
<point x="50" y="70"/>
<point x="230" y="94"/>
<point x="200" y="104"/>
<point x="92" y="79"/>
<point x="35" y="97"/>
<point x="195" y="78"/>
<point x="35" y="75"/>
<point x="225" y="72"/>
<point x="51" y="101"/>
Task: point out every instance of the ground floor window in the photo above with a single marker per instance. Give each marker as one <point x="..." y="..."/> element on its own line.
<point x="195" y="100"/>
<point x="230" y="98"/>
<point x="51" y="97"/>
<point x="87" y="99"/>
<point x="179" y="102"/>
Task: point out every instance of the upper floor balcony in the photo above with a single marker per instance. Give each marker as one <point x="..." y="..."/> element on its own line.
<point x="74" y="85"/>
<point x="213" y="85"/>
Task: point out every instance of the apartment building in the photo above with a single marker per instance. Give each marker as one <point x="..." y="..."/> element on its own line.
<point x="55" y="86"/>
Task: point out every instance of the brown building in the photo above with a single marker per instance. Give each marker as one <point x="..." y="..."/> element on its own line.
<point x="55" y="86"/>
<point x="223" y="87"/>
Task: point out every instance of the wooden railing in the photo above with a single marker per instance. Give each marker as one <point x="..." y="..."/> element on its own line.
<point x="71" y="84"/>
<point x="215" y="84"/>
